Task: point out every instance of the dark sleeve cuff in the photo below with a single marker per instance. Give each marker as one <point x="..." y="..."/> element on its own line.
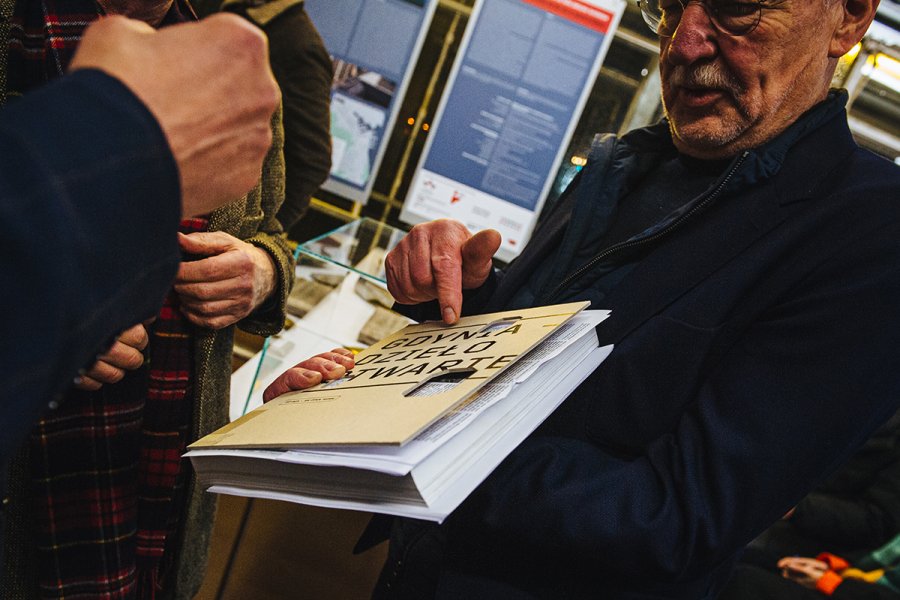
<point x="94" y="185"/>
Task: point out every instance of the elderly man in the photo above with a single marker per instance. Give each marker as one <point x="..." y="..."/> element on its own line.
<point x="750" y="253"/>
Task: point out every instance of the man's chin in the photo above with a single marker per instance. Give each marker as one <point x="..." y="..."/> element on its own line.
<point x="705" y="137"/>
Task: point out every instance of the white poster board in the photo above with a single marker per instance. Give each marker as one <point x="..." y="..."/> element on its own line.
<point x="518" y="86"/>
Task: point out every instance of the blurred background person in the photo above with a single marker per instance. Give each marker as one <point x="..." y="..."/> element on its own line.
<point x="73" y="294"/>
<point x="304" y="72"/>
<point x="853" y="511"/>
<point x="873" y="576"/>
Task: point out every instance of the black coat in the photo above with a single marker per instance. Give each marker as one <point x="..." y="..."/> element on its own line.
<point x="303" y="70"/>
<point x="755" y="350"/>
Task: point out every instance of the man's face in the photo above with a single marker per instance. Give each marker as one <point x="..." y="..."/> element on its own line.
<point x="724" y="94"/>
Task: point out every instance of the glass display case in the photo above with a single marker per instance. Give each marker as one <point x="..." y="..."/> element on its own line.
<point x="339" y="299"/>
<point x="359" y="246"/>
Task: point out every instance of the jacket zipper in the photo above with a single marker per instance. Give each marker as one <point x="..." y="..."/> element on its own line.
<point x="650" y="238"/>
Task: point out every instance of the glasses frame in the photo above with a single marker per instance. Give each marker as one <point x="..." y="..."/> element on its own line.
<point x="653" y="19"/>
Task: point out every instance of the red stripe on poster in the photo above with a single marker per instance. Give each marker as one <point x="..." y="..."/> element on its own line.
<point x="580" y="12"/>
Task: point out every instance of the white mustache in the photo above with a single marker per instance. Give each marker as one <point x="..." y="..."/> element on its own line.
<point x="706" y="75"/>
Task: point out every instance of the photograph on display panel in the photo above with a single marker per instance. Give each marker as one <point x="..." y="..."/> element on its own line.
<point x="374" y="45"/>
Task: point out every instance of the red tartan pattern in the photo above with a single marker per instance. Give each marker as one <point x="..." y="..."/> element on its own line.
<point x="108" y="481"/>
<point x="43" y="36"/>
<point x="84" y="514"/>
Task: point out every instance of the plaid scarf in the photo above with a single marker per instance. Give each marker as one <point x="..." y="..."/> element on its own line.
<point x="43" y="36"/>
<point x="167" y="415"/>
<point x="107" y="473"/>
<point x="106" y="467"/>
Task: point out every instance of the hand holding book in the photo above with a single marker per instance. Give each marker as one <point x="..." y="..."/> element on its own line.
<point x="326" y="366"/>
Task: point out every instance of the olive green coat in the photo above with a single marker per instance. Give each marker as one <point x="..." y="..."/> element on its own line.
<point x="253" y="220"/>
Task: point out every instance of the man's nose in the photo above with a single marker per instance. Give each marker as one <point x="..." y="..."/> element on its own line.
<point x="694" y="37"/>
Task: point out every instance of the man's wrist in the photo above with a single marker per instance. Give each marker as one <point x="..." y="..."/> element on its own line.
<point x="265" y="275"/>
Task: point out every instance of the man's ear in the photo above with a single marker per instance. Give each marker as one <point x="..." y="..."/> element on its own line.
<point x="856" y="18"/>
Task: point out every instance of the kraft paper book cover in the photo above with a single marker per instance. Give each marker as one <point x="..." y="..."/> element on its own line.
<point x="430" y="475"/>
<point x="377" y="402"/>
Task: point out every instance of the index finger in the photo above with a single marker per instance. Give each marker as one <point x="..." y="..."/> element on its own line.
<point x="203" y="270"/>
<point x="446" y="265"/>
<point x="135" y="336"/>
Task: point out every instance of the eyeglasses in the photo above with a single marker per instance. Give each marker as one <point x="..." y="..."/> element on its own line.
<point x="734" y="17"/>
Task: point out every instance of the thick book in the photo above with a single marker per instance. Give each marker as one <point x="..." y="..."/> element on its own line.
<point x="389" y="395"/>
<point x="430" y="464"/>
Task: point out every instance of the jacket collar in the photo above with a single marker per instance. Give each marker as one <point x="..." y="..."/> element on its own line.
<point x="261" y="13"/>
<point x="760" y="163"/>
<point x="755" y="202"/>
<point x="768" y="160"/>
<point x="820" y="139"/>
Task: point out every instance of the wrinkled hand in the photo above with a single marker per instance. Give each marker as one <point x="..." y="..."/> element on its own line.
<point x="124" y="355"/>
<point x="438" y="260"/>
<point x="222" y="289"/>
<point x="805" y="571"/>
<point x="312" y="371"/>
<point x="214" y="109"/>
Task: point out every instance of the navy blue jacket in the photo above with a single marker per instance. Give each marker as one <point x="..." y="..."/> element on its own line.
<point x="89" y="207"/>
<point x="755" y="348"/>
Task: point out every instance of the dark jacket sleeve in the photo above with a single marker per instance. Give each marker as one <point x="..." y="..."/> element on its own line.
<point x="862" y="518"/>
<point x="303" y="70"/>
<point x="90" y="205"/>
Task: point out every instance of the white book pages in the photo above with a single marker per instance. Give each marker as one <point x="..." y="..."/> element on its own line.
<point x="399" y="460"/>
<point x="475" y="453"/>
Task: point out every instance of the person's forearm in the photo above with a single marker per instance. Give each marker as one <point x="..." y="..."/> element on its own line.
<point x="94" y="238"/>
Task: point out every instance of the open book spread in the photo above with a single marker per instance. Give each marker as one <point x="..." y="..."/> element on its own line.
<point x="436" y="468"/>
